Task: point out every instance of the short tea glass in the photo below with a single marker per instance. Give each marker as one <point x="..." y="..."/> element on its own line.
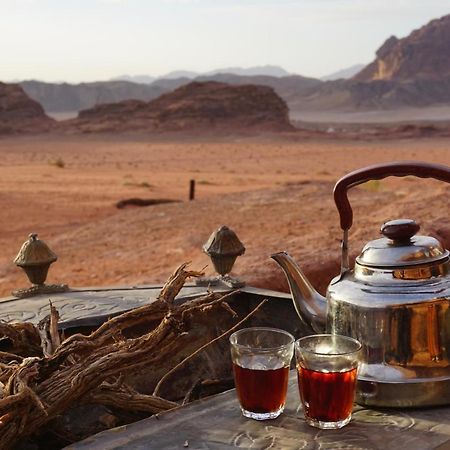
<point x="261" y="359"/>
<point x="327" y="367"/>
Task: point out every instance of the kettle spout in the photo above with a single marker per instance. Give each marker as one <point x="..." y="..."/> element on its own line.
<point x="310" y="305"/>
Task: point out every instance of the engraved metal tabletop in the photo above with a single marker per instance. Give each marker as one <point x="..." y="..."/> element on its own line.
<point x="216" y="423"/>
<point x="91" y="306"/>
<point x="84" y="306"/>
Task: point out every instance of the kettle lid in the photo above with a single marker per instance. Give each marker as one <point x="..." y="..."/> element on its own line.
<point x="400" y="247"/>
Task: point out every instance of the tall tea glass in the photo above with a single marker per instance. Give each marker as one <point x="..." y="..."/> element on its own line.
<point x="261" y="359"/>
<point x="327" y="366"/>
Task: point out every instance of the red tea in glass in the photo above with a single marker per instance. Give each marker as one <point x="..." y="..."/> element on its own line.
<point x="327" y="366"/>
<point x="327" y="396"/>
<point x="261" y="357"/>
<point x="261" y="391"/>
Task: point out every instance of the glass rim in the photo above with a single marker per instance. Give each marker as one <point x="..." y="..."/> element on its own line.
<point x="348" y="338"/>
<point x="264" y="349"/>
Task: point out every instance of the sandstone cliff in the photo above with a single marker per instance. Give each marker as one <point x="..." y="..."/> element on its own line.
<point x="196" y="106"/>
<point x="18" y="113"/>
<point x="425" y="53"/>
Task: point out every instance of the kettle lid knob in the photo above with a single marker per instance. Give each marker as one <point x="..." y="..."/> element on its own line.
<point x="400" y="230"/>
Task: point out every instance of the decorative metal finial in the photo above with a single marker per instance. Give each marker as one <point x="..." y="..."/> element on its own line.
<point x="35" y="258"/>
<point x="223" y="247"/>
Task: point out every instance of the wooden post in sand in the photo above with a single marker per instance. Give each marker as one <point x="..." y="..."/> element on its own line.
<point x="192" y="190"/>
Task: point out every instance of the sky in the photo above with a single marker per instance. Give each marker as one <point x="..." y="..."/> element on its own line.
<point x="88" y="40"/>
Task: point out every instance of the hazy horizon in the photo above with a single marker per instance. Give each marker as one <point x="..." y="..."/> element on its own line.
<point x="170" y="74"/>
<point x="94" y="40"/>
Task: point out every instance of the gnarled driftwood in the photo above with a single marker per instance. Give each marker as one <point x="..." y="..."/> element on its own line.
<point x="95" y="368"/>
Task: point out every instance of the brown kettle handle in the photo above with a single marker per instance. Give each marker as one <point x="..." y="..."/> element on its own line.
<point x="377" y="172"/>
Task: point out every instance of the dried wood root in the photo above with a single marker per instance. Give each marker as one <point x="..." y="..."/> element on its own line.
<point x="125" y="397"/>
<point x="21" y="339"/>
<point x="37" y="389"/>
<point x="48" y="330"/>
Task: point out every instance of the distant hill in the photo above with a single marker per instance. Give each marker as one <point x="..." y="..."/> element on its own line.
<point x="169" y="84"/>
<point x="348" y="72"/>
<point x="175" y="74"/>
<point x="424" y="54"/>
<point x="197" y="106"/>
<point x="74" y="97"/>
<point x="19" y="113"/>
<point x="286" y="87"/>
<point x="141" y="79"/>
<point x="63" y="97"/>
<point x="268" y="70"/>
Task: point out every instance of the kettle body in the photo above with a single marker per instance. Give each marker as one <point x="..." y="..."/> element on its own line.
<point x="395" y="301"/>
<point x="405" y="332"/>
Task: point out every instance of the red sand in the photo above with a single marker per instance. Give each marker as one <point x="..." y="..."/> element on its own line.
<point x="275" y="193"/>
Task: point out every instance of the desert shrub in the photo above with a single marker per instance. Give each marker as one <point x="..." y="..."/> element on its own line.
<point x="58" y="162"/>
<point x="206" y="182"/>
<point x="141" y="184"/>
<point x="372" y="185"/>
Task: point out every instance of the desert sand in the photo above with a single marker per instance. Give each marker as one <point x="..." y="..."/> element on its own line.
<point x="276" y="193"/>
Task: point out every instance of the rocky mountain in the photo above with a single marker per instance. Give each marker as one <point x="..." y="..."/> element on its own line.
<point x="74" y="97"/>
<point x="192" y="107"/>
<point x="424" y="54"/>
<point x="346" y="73"/>
<point x="19" y="113"/>
<point x="409" y="72"/>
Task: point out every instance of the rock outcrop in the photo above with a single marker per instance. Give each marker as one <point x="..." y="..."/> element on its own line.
<point x="424" y="54"/>
<point x="19" y="113"/>
<point x="193" y="107"/>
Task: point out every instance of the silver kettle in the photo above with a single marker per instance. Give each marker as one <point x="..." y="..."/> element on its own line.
<point x="395" y="301"/>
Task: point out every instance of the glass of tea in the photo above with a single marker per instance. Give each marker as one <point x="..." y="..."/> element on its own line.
<point x="261" y="359"/>
<point x="327" y="366"/>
